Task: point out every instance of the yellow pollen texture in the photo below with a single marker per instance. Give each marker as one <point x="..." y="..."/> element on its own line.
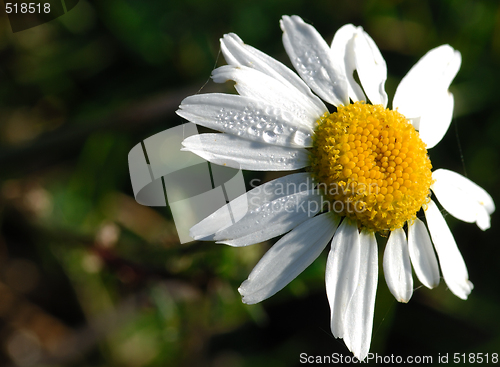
<point x="371" y="165"/>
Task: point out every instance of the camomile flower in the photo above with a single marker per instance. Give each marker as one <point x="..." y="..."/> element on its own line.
<point x="367" y="169"/>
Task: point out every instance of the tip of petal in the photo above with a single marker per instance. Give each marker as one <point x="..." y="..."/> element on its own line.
<point x="196" y="234"/>
<point x="245" y="297"/>
<point x="462" y="290"/>
<point x="432" y="285"/>
<point x="231" y="36"/>
<point x="287" y="20"/>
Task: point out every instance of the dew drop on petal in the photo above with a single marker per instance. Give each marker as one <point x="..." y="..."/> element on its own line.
<point x="278" y="129"/>
<point x="252" y="130"/>
<point x="269" y="136"/>
<point x="301" y="138"/>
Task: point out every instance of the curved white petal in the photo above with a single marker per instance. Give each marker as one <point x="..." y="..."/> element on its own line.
<point x="462" y="198"/>
<point x="436" y="119"/>
<point x="371" y="67"/>
<point x="255" y="84"/>
<point x="451" y="261"/>
<point x="271" y="219"/>
<point x="422" y="254"/>
<point x="247" y="118"/>
<point x="343" y="54"/>
<point x="288" y="258"/>
<point x="397" y="266"/>
<point x="358" y="323"/>
<point x="250" y="201"/>
<point x="311" y="57"/>
<point x="433" y="73"/>
<point x="236" y="52"/>
<point x="342" y="273"/>
<point x="423" y="93"/>
<point x="232" y="151"/>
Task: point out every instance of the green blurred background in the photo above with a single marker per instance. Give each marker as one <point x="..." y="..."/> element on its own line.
<point x="88" y="277"/>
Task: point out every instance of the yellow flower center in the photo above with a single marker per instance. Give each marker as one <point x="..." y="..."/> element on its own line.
<point x="371" y="165"/>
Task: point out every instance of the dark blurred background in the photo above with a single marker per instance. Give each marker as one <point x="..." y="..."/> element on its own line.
<point x="88" y="277"/>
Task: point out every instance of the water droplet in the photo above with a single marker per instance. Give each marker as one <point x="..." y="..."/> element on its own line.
<point x="252" y="130"/>
<point x="269" y="136"/>
<point x="278" y="129"/>
<point x="302" y="139"/>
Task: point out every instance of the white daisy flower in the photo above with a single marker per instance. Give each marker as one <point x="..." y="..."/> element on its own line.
<point x="368" y="169"/>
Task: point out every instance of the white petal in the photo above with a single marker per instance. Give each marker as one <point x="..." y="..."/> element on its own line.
<point x="451" y="261"/>
<point x="342" y="273"/>
<point x="237" y="53"/>
<point x="257" y="85"/>
<point x="433" y="73"/>
<point x="436" y="119"/>
<point x="311" y="57"/>
<point x="371" y="68"/>
<point x="232" y="151"/>
<point x="247" y="118"/>
<point x="423" y="92"/>
<point x="358" y="323"/>
<point x="343" y="54"/>
<point x="272" y="219"/>
<point x="288" y="258"/>
<point x="462" y="198"/>
<point x="397" y="266"/>
<point x="422" y="254"/>
<point x="250" y="201"/>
